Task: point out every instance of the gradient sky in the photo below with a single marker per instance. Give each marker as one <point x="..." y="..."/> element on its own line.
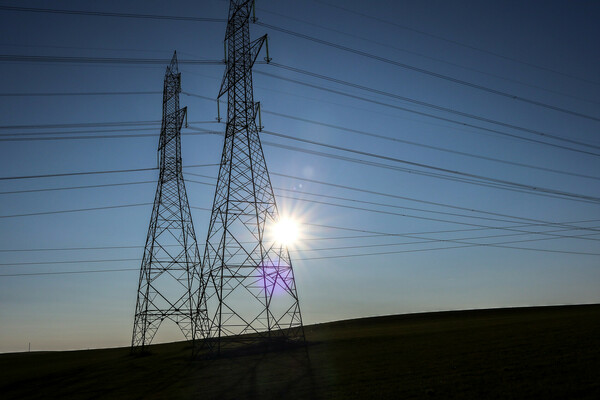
<point x="544" y="51"/>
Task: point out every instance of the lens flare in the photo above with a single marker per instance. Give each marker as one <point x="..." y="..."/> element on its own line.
<point x="286" y="231"/>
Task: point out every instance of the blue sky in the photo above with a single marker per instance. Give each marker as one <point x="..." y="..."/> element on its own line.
<point x="544" y="52"/>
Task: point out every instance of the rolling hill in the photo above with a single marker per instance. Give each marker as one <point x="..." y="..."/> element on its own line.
<point x="538" y="352"/>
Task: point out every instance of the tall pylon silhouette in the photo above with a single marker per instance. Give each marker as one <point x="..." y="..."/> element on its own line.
<point x="249" y="288"/>
<point x="170" y="270"/>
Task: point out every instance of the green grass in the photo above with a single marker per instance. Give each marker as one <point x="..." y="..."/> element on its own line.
<point x="543" y="352"/>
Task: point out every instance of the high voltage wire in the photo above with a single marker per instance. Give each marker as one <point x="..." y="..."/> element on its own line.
<point x="407" y="215"/>
<point x="20" y="264"/>
<point x="314" y="122"/>
<point x="101" y="60"/>
<point x="392" y="234"/>
<point x="495" y="183"/>
<point x="74" y="210"/>
<point x="421" y="217"/>
<point x="55" y="94"/>
<point x="347" y="129"/>
<point x="359" y="255"/>
<point x="94" y="172"/>
<point x="456" y="42"/>
<point x="429" y="105"/>
<point x="313" y="201"/>
<point x="18" y="137"/>
<point x="122" y="136"/>
<point x="459" y="241"/>
<point x="361" y="132"/>
<point x="306" y="37"/>
<point x="427" y="166"/>
<point x="172" y="245"/>
<point x="406" y="208"/>
<point x="71" y="272"/>
<point x="418" y="172"/>
<point x="510" y="228"/>
<point x="75" y="187"/>
<point x="483" y="119"/>
<point x="464" y="124"/>
<point x="112" y="14"/>
<point x="81" y="125"/>
<point x="427" y="72"/>
<point x="23" y="134"/>
<point x="428" y="240"/>
<point x="322" y="195"/>
<point x="462" y="153"/>
<point x="26" y="135"/>
<point x="404" y="50"/>
<point x="511" y="220"/>
<point x="362" y="190"/>
<point x="365" y="88"/>
<point x="421" y="165"/>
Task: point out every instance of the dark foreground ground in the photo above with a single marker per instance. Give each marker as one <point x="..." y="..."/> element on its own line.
<point x="547" y="352"/>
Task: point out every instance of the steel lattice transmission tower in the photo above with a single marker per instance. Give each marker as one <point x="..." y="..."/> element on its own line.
<point x="170" y="270"/>
<point x="248" y="281"/>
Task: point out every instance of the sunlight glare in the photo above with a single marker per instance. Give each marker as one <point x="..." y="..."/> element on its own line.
<point x="285" y="231"/>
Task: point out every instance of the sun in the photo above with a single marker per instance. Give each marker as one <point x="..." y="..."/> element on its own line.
<point x="286" y="231"/>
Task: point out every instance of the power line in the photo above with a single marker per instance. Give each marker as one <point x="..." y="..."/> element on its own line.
<point x="276" y="114"/>
<point x="141" y="246"/>
<point x="286" y="31"/>
<point x="429" y="105"/>
<point x="429" y="218"/>
<point x="452" y="121"/>
<point x="496" y="182"/>
<point x="412" y="209"/>
<point x="400" y="207"/>
<point x="361" y="132"/>
<point x="67" y="262"/>
<point x="343" y="256"/>
<point x="428" y="72"/>
<point x="404" y="50"/>
<point x="418" y="172"/>
<point x="301" y="199"/>
<point x="81" y="125"/>
<point x="19" y="138"/>
<point x="95" y="137"/>
<point x="457" y="42"/>
<point x="75" y="187"/>
<point x="462" y="153"/>
<point x="362" y="190"/>
<point x="464" y="245"/>
<point x="74" y="210"/>
<point x="112" y="14"/>
<point x="509" y="228"/>
<point x="329" y="184"/>
<point x="476" y="117"/>
<point x="101" y="60"/>
<point x="77" y="132"/>
<point x="430" y="240"/>
<point x="55" y="94"/>
<point x="94" y="172"/>
<point x="445" y="170"/>
<point x="71" y="272"/>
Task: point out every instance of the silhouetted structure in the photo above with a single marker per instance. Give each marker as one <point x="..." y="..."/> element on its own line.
<point x="248" y="281"/>
<point x="169" y="274"/>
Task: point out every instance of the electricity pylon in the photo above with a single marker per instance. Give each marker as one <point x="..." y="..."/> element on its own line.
<point x="169" y="274"/>
<point x="248" y="281"/>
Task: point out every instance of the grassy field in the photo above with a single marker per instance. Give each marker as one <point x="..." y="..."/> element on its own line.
<point x="544" y="352"/>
